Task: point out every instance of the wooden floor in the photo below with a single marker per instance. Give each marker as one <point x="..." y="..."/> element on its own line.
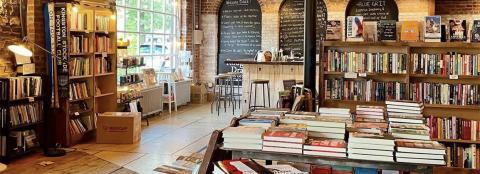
<point x="168" y="136"/>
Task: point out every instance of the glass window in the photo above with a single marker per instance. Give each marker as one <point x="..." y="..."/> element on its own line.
<point x="150" y="25"/>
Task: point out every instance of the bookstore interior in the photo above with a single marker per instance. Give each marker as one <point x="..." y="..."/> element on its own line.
<point x="240" y="86"/>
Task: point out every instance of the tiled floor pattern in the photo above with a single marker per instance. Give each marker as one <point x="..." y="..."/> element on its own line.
<point x="168" y="136"/>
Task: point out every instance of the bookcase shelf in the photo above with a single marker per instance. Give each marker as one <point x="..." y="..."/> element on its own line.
<point x="80" y="77"/>
<point x="443" y="77"/>
<point x="23" y="126"/>
<point x="453" y="106"/>
<point x="457" y="141"/>
<point x="80" y="54"/>
<point x="103" y="95"/>
<point x="105" y="74"/>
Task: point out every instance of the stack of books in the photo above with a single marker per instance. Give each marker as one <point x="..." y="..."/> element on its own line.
<point x="268" y="112"/>
<point x="325" y="147"/>
<point x="374" y="147"/>
<point x="370" y="119"/>
<point x="335" y="112"/>
<point x="422" y="152"/>
<point x="286" y="141"/>
<point x="258" y="121"/>
<point x="243" y="138"/>
<point x="238" y="166"/>
<point x="332" y="127"/>
<point x="406" y="120"/>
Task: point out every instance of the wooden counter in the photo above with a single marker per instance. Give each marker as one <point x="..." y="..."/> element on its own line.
<point x="276" y="72"/>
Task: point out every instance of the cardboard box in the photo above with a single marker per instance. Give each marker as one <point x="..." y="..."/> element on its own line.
<point x="119" y="127"/>
<point x="198" y="94"/>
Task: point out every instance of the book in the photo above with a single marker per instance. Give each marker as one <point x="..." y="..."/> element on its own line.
<point x="419" y="156"/>
<point x="458" y="30"/>
<point x="326" y="129"/>
<point x="367" y="90"/>
<point x="243" y="132"/>
<point x="370" y="152"/>
<point x="355" y="28"/>
<point x="367" y="145"/>
<point x="79" y="66"/>
<point x="282" y="144"/>
<point x="284" y="169"/>
<point x="327" y="135"/>
<point x="285" y="136"/>
<point x="370" y="109"/>
<point x="319" y="121"/>
<point x="421" y="161"/>
<point x="264" y="123"/>
<point x="370" y="32"/>
<point x="445" y="64"/>
<point x="78" y="90"/>
<point x="324" y="169"/>
<point x="359" y="170"/>
<point x="334" y="30"/>
<point x="236" y="145"/>
<point x="370" y="157"/>
<point x="388" y="30"/>
<point x="410" y="31"/>
<point x="379" y="139"/>
<point x="23" y="87"/>
<point x="447" y="94"/>
<point x="239" y="166"/>
<point x="324" y="153"/>
<point x="475" y="31"/>
<point x="337" y="169"/>
<point x="282" y="149"/>
<point x="242" y="140"/>
<point x="363" y="62"/>
<point x="417" y="146"/>
<point x="23" y="114"/>
<point x="330" y="145"/>
<point x="433" y="28"/>
<point x="453" y="128"/>
<point x="404" y="103"/>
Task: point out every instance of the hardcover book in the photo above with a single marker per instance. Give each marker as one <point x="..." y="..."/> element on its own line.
<point x="326" y="143"/>
<point x="370" y="33"/>
<point x="476" y="31"/>
<point x="334" y="30"/>
<point x="410" y="31"/>
<point x="458" y="30"/>
<point x="388" y="30"/>
<point x="433" y="28"/>
<point x="355" y="28"/>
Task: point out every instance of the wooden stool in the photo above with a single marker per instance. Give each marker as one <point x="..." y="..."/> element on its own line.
<point x="263" y="83"/>
<point x="223" y="89"/>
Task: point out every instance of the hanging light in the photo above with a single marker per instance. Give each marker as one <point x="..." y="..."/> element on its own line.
<point x="20" y="50"/>
<point x="75" y="8"/>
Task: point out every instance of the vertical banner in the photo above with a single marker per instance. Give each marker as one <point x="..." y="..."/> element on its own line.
<point x="61" y="48"/>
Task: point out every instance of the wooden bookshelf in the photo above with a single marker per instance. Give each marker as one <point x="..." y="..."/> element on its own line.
<point x="83" y="24"/>
<point x="462" y="111"/>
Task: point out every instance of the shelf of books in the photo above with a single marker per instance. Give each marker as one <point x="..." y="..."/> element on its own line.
<point x="22" y="113"/>
<point x="91" y="75"/>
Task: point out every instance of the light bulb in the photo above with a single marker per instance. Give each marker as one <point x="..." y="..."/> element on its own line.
<point x="75" y="9"/>
<point x="113" y="16"/>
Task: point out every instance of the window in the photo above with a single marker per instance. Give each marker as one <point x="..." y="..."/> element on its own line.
<point x="152" y="28"/>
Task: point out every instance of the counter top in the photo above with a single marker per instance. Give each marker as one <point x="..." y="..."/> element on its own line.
<point x="247" y="61"/>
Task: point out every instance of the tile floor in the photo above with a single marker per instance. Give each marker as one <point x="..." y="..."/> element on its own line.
<point x="168" y="136"/>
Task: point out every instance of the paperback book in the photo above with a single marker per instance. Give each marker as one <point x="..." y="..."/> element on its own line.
<point x="433" y="28"/>
<point x="355" y="28"/>
<point x="458" y="30"/>
<point x="334" y="30"/>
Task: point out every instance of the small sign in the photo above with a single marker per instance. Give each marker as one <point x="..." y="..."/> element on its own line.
<point x="104" y="54"/>
<point x="31" y="99"/>
<point x="453" y="77"/>
<point x="76" y="114"/>
<point x="351" y="75"/>
<point x="362" y="74"/>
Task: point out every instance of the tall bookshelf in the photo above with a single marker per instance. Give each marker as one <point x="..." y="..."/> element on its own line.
<point x="92" y="24"/>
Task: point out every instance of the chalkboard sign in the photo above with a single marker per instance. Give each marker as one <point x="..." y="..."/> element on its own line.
<point x="373" y="10"/>
<point x="292" y="25"/>
<point x="388" y="30"/>
<point x="240" y="31"/>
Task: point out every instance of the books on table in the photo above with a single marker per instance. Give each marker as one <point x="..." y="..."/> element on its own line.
<point x="243" y="138"/>
<point x="373" y="147"/>
<point x="325" y="147"/>
<point x="369" y="119"/>
<point x="406" y="120"/>
<point x="239" y="166"/>
<point x="284" y="141"/>
<point x="257" y="122"/>
<point x="284" y="169"/>
<point x="320" y="126"/>
<point x="423" y="152"/>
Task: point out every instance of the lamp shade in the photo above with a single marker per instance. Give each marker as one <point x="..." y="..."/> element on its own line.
<point x="20" y="50"/>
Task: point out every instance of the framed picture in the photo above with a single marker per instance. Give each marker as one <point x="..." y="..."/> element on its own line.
<point x="13" y="18"/>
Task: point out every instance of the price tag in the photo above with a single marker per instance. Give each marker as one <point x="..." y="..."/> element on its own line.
<point x="362" y="74"/>
<point x="104" y="54"/>
<point x="453" y="77"/>
<point x="76" y="114"/>
<point x="351" y="75"/>
<point x="31" y="99"/>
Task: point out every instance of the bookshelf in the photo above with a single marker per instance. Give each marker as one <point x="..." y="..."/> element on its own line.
<point x="464" y="111"/>
<point x="91" y="32"/>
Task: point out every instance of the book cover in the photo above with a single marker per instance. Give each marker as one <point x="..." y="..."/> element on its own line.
<point x="334" y="30"/>
<point x="286" y="134"/>
<point x="359" y="170"/>
<point x="326" y="143"/>
<point x="410" y="31"/>
<point x="314" y="169"/>
<point x="370" y="125"/>
<point x="284" y="169"/>
<point x="433" y="28"/>
<point x="475" y="31"/>
<point x="420" y="144"/>
<point x="370" y="33"/>
<point x="371" y="120"/>
<point x="355" y="28"/>
<point x="458" y="30"/>
<point x="388" y="30"/>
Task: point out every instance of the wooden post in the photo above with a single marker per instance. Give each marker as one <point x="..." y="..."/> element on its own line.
<point x="310" y="46"/>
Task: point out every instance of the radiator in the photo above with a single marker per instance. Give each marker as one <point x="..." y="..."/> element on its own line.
<point x="152" y="101"/>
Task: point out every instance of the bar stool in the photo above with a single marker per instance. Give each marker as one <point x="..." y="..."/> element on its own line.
<point x="237" y="81"/>
<point x="223" y="90"/>
<point x="255" y="83"/>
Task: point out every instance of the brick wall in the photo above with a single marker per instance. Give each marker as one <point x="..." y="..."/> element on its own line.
<point x="457" y="7"/>
<point x="408" y="10"/>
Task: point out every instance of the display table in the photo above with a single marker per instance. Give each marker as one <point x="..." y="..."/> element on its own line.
<point x="276" y="72"/>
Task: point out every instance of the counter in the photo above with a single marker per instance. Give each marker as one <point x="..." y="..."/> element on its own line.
<point x="276" y="72"/>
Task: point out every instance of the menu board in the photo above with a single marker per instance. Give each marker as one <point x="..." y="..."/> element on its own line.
<point x="292" y="25"/>
<point x="373" y="10"/>
<point x="240" y="31"/>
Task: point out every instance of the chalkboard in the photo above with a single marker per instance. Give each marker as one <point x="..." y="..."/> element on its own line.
<point x="373" y="10"/>
<point x="292" y="25"/>
<point x="240" y="31"/>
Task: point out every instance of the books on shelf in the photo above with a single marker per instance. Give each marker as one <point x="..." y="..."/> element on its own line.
<point x="24" y="114"/>
<point x="458" y="30"/>
<point x="286" y="141"/>
<point x="410" y="31"/>
<point x="24" y="86"/>
<point x="423" y="152"/>
<point x="355" y="28"/>
<point x="364" y="90"/>
<point x="325" y="147"/>
<point x="102" y="23"/>
<point x="80" y="125"/>
<point x="445" y="94"/>
<point x="433" y="28"/>
<point x="463" y="156"/>
<point x="452" y="63"/>
<point x="79" y="44"/>
<point x="340" y="61"/>
<point x="4" y="90"/>
<point x="387" y="30"/>
<point x="79" y="66"/>
<point x="243" y="138"/>
<point x="78" y="21"/>
<point x="78" y="91"/>
<point x="23" y="141"/>
<point x="369" y="146"/>
<point x="103" y="44"/>
<point x="334" y="30"/>
<point x="103" y="65"/>
<point x="475" y="36"/>
<point x="453" y="128"/>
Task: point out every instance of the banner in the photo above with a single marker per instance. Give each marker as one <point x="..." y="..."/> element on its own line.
<point x="61" y="49"/>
